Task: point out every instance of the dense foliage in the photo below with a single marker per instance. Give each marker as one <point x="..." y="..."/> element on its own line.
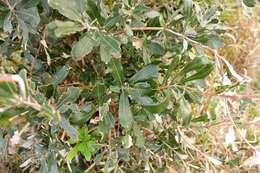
<point x="112" y="85"/>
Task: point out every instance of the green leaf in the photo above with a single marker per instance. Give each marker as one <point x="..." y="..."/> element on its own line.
<point x="158" y="107"/>
<point x="7" y="25"/>
<point x="215" y="42"/>
<point x="93" y="11"/>
<point x="73" y="152"/>
<point x="139" y="136"/>
<point x="27" y="4"/>
<point x="29" y="16"/>
<point x="69" y="129"/>
<point x="61" y="28"/>
<point x="99" y="92"/>
<point x="117" y="70"/>
<point x="250" y="3"/>
<point x="146" y="73"/>
<point x="185" y="111"/>
<point x="83" y="47"/>
<point x="60" y="75"/>
<point x="187" y="7"/>
<point x="125" y="113"/>
<point x="69" y="8"/>
<point x="70" y="96"/>
<point x="202" y="73"/>
<point x="112" y="21"/>
<point x="109" y="47"/>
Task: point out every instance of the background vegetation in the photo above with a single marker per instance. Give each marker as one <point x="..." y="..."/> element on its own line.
<point x="129" y="86"/>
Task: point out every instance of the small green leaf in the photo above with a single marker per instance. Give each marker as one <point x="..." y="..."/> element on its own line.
<point x="202" y="73"/>
<point x="93" y="11"/>
<point x="215" y="42"/>
<point x="158" y="107"/>
<point x="109" y="47"/>
<point x="250" y="3"/>
<point x="61" y="28"/>
<point x="83" y="47"/>
<point x="117" y="70"/>
<point x="60" y="75"/>
<point x="139" y="136"/>
<point x="69" y="129"/>
<point x="73" y="152"/>
<point x="187" y="7"/>
<point x="70" y="96"/>
<point x="125" y="113"/>
<point x="146" y="73"/>
<point x="99" y="92"/>
<point x="185" y="111"/>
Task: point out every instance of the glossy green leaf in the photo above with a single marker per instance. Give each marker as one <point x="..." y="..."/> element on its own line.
<point x="60" y="75"/>
<point x="117" y="70"/>
<point x="202" y="73"/>
<point x="70" y="96"/>
<point x="250" y="3"/>
<point x="109" y="47"/>
<point x="83" y="47"/>
<point x="125" y="113"/>
<point x="185" y="111"/>
<point x="61" y="28"/>
<point x="146" y="73"/>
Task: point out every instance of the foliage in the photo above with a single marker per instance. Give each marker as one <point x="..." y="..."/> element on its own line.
<point x="114" y="85"/>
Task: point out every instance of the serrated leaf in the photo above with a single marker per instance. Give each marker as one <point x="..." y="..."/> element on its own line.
<point x="249" y="3"/>
<point x="62" y="28"/>
<point x="117" y="70"/>
<point x="60" y="75"/>
<point x="70" y="96"/>
<point x="69" y="129"/>
<point x="185" y="111"/>
<point x="69" y="8"/>
<point x="187" y="7"/>
<point x="146" y="73"/>
<point x="125" y="113"/>
<point x="202" y="73"/>
<point x="83" y="47"/>
<point x="109" y="47"/>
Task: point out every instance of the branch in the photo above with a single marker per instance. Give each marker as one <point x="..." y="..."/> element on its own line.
<point x="213" y="51"/>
